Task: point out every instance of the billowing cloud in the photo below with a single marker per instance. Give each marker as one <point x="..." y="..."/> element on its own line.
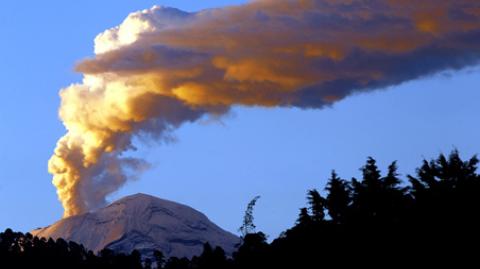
<point x="163" y="67"/>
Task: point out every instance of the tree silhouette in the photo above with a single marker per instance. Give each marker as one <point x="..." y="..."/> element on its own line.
<point x="253" y="253"/>
<point x="317" y="205"/>
<point x="159" y="259"/>
<point x="338" y="198"/>
<point x="447" y="185"/>
<point x="248" y="226"/>
<point x="366" y="193"/>
<point x="304" y="219"/>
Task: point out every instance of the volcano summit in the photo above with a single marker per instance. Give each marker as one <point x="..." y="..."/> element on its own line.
<point x="145" y="223"/>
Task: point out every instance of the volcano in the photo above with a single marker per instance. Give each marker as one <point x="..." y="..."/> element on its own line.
<point x="145" y="223"/>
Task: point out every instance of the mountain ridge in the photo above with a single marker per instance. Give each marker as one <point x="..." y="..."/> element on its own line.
<point x="143" y="222"/>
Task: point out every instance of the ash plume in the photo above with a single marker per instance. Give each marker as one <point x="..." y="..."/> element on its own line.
<point x="163" y="67"/>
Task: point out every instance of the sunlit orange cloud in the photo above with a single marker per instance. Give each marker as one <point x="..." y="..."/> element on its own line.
<point x="163" y="67"/>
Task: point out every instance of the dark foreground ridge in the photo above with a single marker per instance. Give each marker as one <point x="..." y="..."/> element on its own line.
<point x="379" y="220"/>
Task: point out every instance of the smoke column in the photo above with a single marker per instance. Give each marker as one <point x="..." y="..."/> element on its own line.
<point x="163" y="67"/>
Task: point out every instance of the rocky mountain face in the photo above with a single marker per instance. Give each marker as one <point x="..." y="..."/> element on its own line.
<point x="145" y="223"/>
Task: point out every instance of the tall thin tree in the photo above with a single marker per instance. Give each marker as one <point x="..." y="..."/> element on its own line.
<point x="248" y="226"/>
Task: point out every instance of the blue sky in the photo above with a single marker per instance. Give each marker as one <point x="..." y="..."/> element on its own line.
<point x="213" y="167"/>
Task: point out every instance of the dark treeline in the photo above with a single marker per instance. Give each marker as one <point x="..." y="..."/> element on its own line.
<point x="428" y="219"/>
<point x="18" y="250"/>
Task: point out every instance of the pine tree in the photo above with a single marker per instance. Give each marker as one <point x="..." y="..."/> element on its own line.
<point x="338" y="198"/>
<point x="159" y="258"/>
<point x="304" y="219"/>
<point x="366" y="193"/>
<point x="317" y="205"/>
<point x="391" y="181"/>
